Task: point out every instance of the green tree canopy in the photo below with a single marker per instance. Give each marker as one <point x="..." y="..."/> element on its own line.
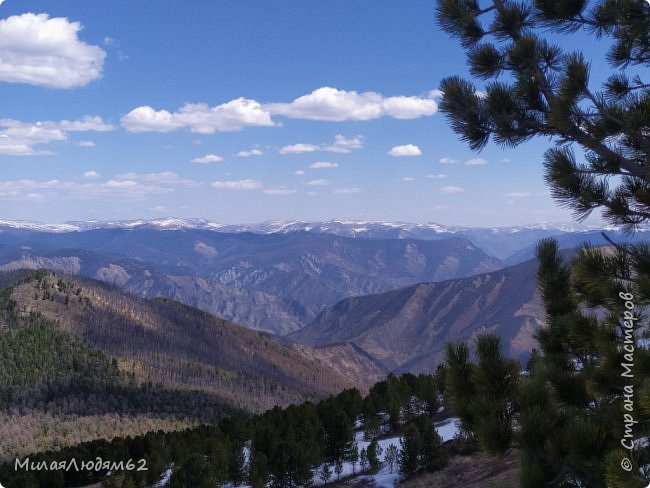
<point x="534" y="87"/>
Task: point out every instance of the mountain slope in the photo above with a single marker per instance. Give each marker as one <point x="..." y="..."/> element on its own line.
<point x="275" y="282"/>
<point x="180" y="347"/>
<point x="82" y="360"/>
<point x="408" y="329"/>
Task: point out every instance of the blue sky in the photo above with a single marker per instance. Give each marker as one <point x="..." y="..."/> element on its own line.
<point x="242" y="112"/>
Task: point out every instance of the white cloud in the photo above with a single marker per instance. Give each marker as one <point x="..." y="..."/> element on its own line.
<point x="252" y="152"/>
<point x="109" y="41"/>
<point x="341" y="144"/>
<point x="312" y="193"/>
<point x="320" y="182"/>
<point x="38" y="50"/>
<point x="447" y="160"/>
<point x="406" y="150"/>
<point x="519" y="194"/>
<point x="452" y="189"/>
<point x="159" y="208"/>
<point x="281" y="192"/>
<point x="199" y="117"/>
<point x="505" y="160"/>
<point x="326" y="103"/>
<point x="408" y="178"/>
<point x="86" y="144"/>
<point x="128" y="185"/>
<point x="237" y="185"/>
<point x="323" y="165"/>
<point x="347" y="191"/>
<point x="207" y="159"/>
<point x="20" y="138"/>
<point x="331" y="104"/>
<point x="476" y="162"/>
<point x="299" y="172"/>
<point x="438" y="176"/>
<point x="344" y="145"/>
<point x="299" y="148"/>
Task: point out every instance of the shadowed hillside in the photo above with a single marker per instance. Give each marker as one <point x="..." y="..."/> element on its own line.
<point x="408" y="329"/>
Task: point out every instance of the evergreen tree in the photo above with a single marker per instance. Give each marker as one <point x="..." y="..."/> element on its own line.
<point x="338" y="468"/>
<point x="195" y="471"/>
<point x="391" y="457"/>
<point x="373" y="455"/>
<point x="409" y="456"/>
<point x="259" y="469"/>
<point x="325" y="473"/>
<point x="572" y="403"/>
<point x="353" y="456"/>
<point x="432" y="455"/>
<point x="460" y="387"/>
<point x="363" y="459"/>
<point x="535" y="88"/>
<point x="495" y="380"/>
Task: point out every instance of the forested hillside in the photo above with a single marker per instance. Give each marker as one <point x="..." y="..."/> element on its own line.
<point x="288" y="447"/>
<point x="83" y="348"/>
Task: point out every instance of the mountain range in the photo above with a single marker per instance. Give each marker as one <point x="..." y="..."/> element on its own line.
<point x="274" y="282"/>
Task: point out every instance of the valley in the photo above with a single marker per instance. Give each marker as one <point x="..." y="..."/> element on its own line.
<point x="169" y="328"/>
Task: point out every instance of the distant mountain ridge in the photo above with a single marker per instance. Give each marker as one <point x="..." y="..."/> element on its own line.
<point x="501" y="242"/>
<point x="274" y="282"/>
<point x="348" y="228"/>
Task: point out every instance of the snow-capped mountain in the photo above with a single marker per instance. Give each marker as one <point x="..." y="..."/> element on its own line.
<point x="347" y="228"/>
<point x="514" y="244"/>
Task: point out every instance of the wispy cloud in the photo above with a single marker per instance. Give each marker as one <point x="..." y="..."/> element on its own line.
<point x="281" y="191"/>
<point x="438" y="176"/>
<point x="452" y="189"/>
<point x="341" y="144"/>
<point x="252" y="152"/>
<point x="127" y="185"/>
<point x="347" y="191"/>
<point x="208" y="159"/>
<point x="299" y="148"/>
<point x="318" y="182"/>
<point x="476" y="162"/>
<point x="237" y="185"/>
<point x="519" y="194"/>
<point x="22" y="138"/>
<point x="323" y="165"/>
<point x="448" y="160"/>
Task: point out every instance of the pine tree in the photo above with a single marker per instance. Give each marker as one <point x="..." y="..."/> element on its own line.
<point x="572" y="405"/>
<point x="391" y="456"/>
<point x="536" y="88"/>
<point x="410" y="452"/>
<point x="363" y="459"/>
<point x="432" y="455"/>
<point x="495" y="380"/>
<point x="373" y="455"/>
<point x="325" y="473"/>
